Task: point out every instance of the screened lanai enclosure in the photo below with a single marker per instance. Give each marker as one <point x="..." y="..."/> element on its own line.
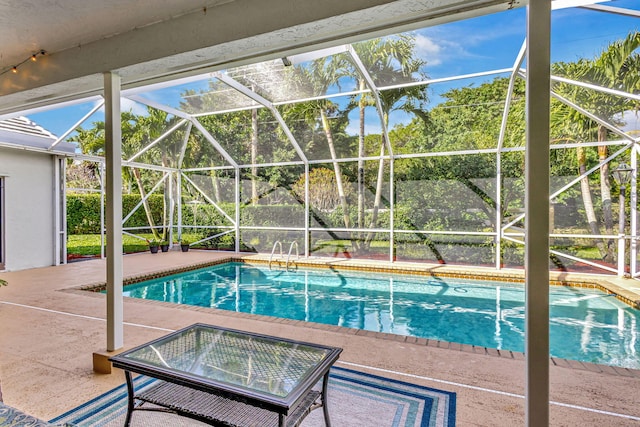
<point x="374" y="150"/>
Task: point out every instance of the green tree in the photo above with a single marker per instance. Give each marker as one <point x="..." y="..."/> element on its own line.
<point x="250" y="136"/>
<point x="388" y="61"/>
<point x="469" y="118"/>
<point x="569" y="125"/>
<point x="137" y="132"/>
<point x="617" y="67"/>
<point x="322" y="196"/>
<point x="319" y="77"/>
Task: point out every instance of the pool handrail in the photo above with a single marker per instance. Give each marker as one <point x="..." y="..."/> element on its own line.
<point x="294" y="243"/>
<point x="277" y="243"/>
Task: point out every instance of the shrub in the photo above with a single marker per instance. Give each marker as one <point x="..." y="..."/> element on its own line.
<point x="83" y="212"/>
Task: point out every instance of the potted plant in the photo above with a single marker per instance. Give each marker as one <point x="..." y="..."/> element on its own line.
<point x="153" y="246"/>
<point x="184" y="245"/>
<point x="164" y="245"/>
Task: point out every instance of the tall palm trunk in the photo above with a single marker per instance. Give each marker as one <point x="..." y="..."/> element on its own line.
<point x="336" y="167"/>
<point x="169" y="196"/>
<point x="587" y="200"/>
<point x="361" y="108"/>
<point x="605" y="190"/>
<point x="378" y="197"/>
<point x="145" y="203"/>
<point x="166" y="203"/>
<point x="379" y="182"/>
<point x="215" y="183"/>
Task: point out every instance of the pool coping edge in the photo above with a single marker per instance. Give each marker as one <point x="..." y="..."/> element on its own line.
<point x="96" y="287"/>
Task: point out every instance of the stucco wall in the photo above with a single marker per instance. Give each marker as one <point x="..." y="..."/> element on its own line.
<point x="28" y="208"/>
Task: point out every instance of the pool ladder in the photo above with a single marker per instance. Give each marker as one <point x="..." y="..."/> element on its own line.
<point x="294" y="243"/>
<point x="278" y="243"/>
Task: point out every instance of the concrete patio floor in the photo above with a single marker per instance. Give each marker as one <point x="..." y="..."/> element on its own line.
<point x="49" y="333"/>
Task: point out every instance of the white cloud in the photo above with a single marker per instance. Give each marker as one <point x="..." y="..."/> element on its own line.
<point x="631" y="122"/>
<point x="135" y="107"/>
<point x="428" y="49"/>
<point x="439" y="48"/>
<point x="129" y="105"/>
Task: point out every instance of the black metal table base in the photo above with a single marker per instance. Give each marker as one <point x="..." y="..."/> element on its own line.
<point x="218" y="410"/>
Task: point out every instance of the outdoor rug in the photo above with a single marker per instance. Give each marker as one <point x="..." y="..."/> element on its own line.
<point x="356" y="399"/>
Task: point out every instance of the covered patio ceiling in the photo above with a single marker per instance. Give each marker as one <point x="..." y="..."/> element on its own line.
<point x="148" y="41"/>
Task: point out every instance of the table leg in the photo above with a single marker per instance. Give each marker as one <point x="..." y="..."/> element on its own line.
<point x="130" y="402"/>
<point x="325" y="406"/>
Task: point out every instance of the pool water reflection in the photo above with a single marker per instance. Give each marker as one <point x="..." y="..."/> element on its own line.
<point x="585" y="324"/>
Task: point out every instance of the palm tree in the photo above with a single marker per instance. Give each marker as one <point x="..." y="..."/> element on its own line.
<point x="137" y="132"/>
<point x="388" y="61"/>
<point x="320" y="77"/>
<point x="148" y="128"/>
<point x="571" y="126"/>
<point x="617" y="67"/>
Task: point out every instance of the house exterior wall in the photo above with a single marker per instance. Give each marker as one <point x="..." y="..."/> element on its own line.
<point x="28" y="208"/>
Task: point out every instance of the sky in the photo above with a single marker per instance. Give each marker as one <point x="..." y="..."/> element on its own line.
<point x="475" y="45"/>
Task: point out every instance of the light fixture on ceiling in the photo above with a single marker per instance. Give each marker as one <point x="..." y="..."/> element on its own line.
<point x="33" y="58"/>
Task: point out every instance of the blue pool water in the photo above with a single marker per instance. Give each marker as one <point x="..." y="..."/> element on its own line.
<point x="586" y="325"/>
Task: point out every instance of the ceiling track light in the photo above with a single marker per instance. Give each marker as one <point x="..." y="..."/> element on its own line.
<point x="33" y="58"/>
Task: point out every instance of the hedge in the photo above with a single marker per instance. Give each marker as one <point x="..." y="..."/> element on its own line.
<point x="83" y="212"/>
<point x="83" y="215"/>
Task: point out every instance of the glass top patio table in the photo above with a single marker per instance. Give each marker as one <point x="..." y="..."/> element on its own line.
<point x="273" y="371"/>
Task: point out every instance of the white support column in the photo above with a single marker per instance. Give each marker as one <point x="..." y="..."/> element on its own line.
<point x="63" y="209"/>
<point x="392" y="211"/>
<point x="237" y="213"/>
<point x="113" y="166"/>
<point x="56" y="211"/>
<point x="307" y="243"/>
<point x="498" y="239"/>
<point x="102" y="205"/>
<point x="633" y="212"/>
<point x="59" y="211"/>
<point x="179" y="203"/>
<point x="172" y="205"/>
<point x="621" y="233"/>
<point x="537" y="214"/>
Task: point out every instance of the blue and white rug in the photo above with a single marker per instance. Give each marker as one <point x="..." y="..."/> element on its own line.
<point x="356" y="399"/>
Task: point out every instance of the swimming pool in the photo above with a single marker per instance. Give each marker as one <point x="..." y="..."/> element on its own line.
<point x="586" y="324"/>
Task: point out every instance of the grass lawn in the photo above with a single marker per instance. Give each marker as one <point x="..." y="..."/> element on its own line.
<point x="86" y="245"/>
<point x="89" y="244"/>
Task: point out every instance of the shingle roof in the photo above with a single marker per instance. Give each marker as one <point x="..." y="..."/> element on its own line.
<point x="25" y="126"/>
<point x="21" y="131"/>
